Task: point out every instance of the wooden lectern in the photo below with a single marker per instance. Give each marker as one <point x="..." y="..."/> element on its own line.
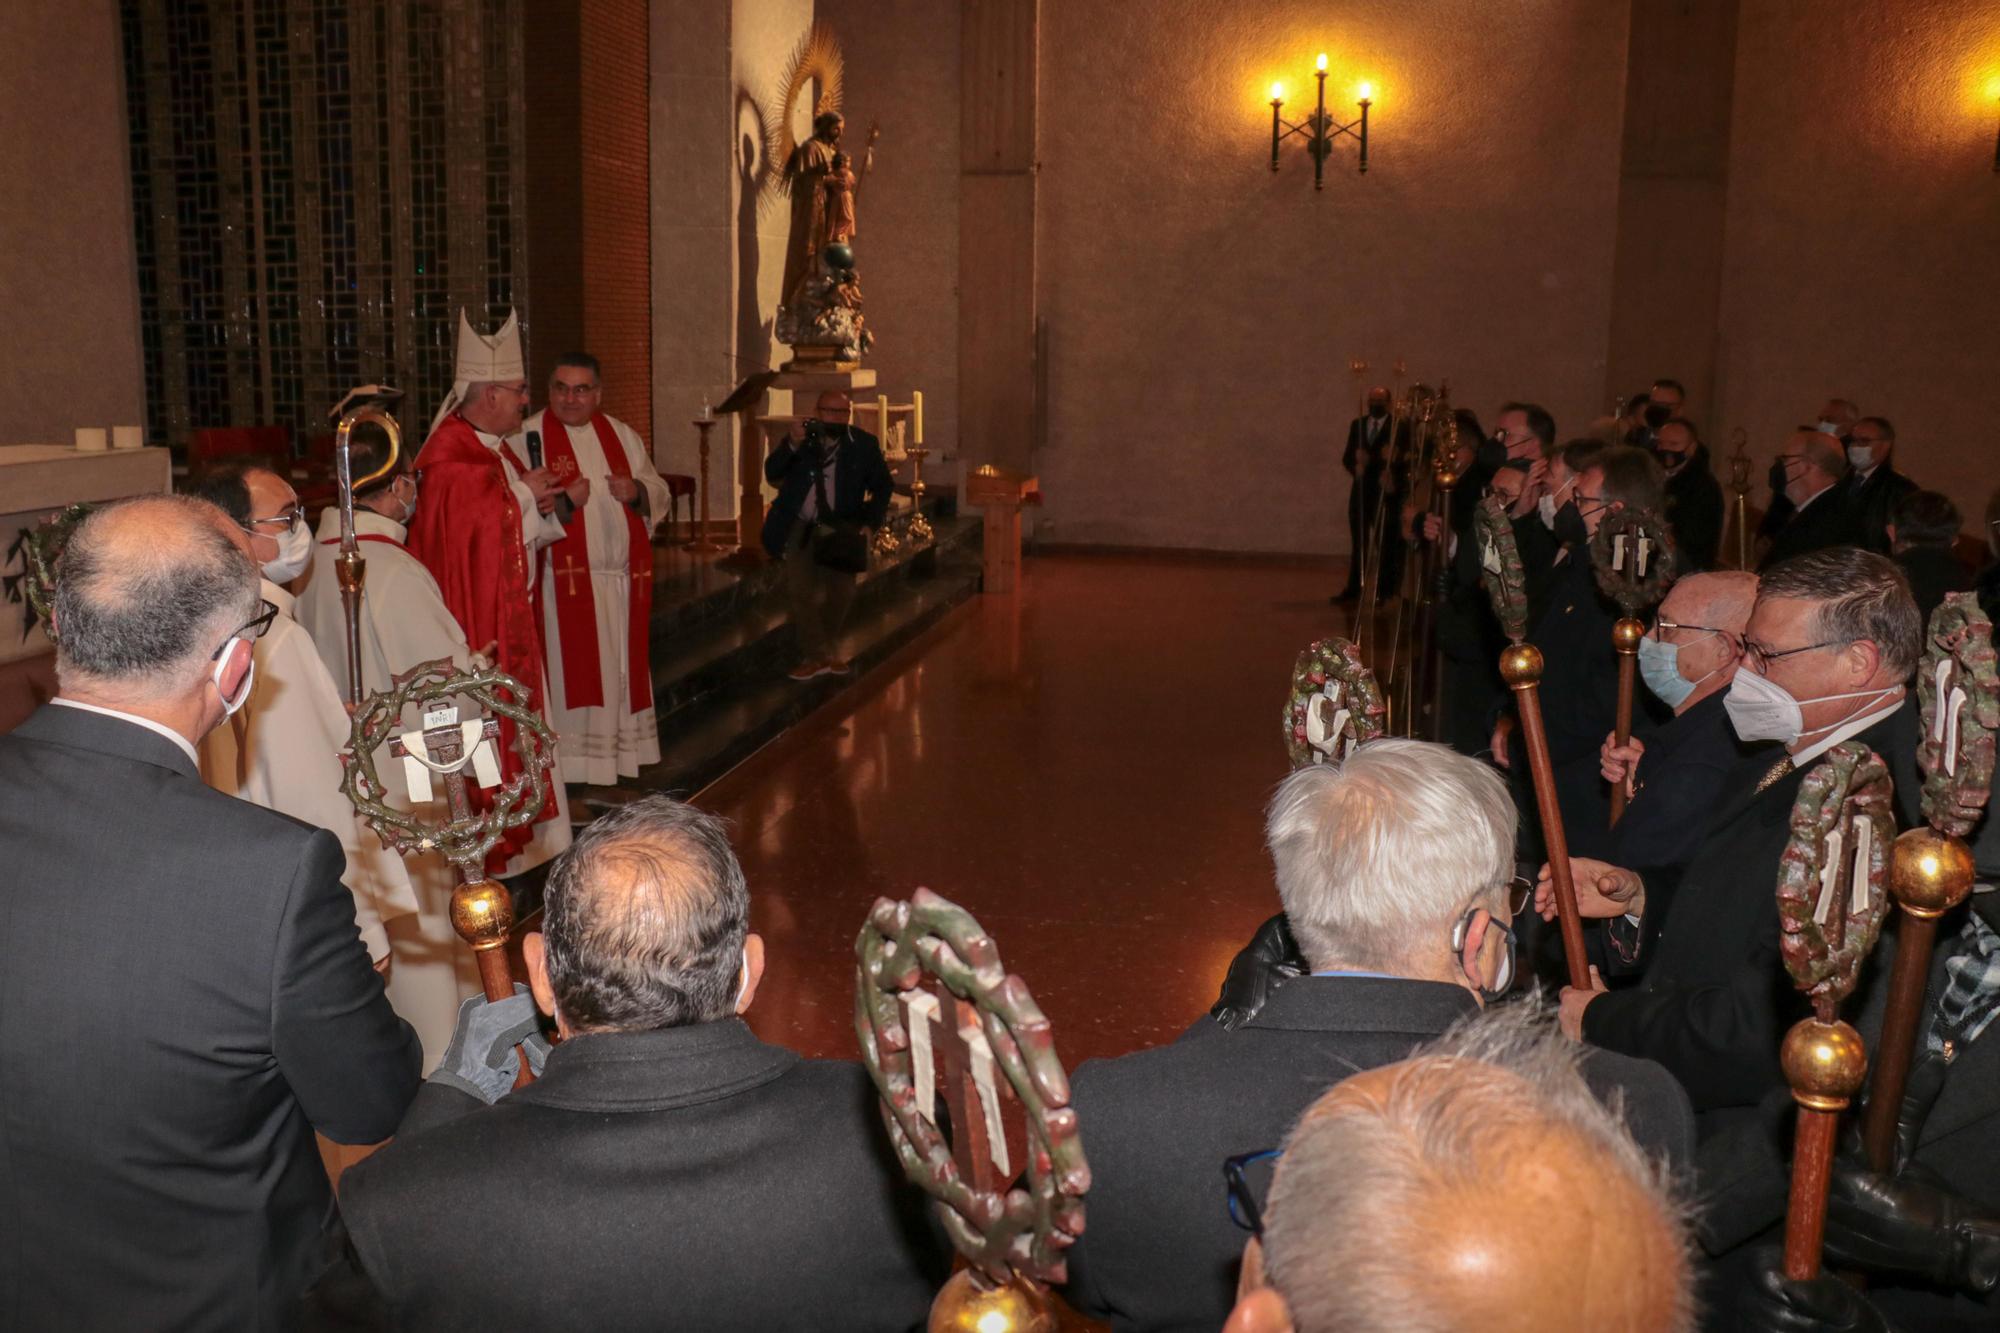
<point x="1000" y="494"/>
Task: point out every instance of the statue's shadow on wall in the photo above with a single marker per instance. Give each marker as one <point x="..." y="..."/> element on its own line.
<point x="753" y="169"/>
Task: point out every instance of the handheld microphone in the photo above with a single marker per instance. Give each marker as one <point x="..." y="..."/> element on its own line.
<point x="535" y="450"/>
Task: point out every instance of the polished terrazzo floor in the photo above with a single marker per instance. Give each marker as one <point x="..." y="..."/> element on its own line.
<point x="1082" y="764"/>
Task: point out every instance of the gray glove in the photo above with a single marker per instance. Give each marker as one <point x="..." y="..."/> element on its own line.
<point x="481" y="1061"/>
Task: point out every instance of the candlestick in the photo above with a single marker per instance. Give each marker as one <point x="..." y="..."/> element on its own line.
<point x="701" y="544"/>
<point x="1319" y="139"/>
<point x="917" y="402"/>
<point x="1277" y="100"/>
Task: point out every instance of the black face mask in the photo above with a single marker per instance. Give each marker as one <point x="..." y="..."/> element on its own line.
<point x="1658" y="415"/>
<point x="1377" y="411"/>
<point x="1671" y="459"/>
<point x="1777" y="476"/>
<point x="1569" y="529"/>
<point x="1492" y="453"/>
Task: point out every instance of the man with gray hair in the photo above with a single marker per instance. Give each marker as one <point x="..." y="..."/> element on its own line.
<point x="1812" y="465"/>
<point x="1827" y="656"/>
<point x="185" y="994"/>
<point x="1395" y="869"/>
<point x="1479" y="1180"/>
<point x="668" y="1168"/>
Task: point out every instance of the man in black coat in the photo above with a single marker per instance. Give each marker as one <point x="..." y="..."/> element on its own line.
<point x="830" y="477"/>
<point x="668" y="1169"/>
<point x="1873" y="487"/>
<point x="185" y="992"/>
<point x="1923" y="535"/>
<point x="1370" y="513"/>
<point x="1694" y="497"/>
<point x="1814" y="468"/>
<point x="1394" y="869"/>
<point x="1830" y="646"/>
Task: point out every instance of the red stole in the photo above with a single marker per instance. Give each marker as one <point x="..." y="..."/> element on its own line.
<point x="467" y="532"/>
<point x="576" y="603"/>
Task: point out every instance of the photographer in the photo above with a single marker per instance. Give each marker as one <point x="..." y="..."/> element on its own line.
<point x="833" y="493"/>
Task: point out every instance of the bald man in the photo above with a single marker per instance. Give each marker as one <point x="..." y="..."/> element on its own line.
<point x="1814" y="464"/>
<point x="830" y="477"/>
<point x="185" y="991"/>
<point x="1477" y="1184"/>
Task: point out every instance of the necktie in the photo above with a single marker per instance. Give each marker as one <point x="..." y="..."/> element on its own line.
<point x="1778" y="770"/>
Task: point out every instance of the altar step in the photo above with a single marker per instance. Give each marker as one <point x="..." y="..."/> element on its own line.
<point x="722" y="642"/>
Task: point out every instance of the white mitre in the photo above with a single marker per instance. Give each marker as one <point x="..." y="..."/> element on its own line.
<point x="483" y="360"/>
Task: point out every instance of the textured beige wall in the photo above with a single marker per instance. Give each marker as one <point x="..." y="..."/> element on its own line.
<point x="1863" y="244"/>
<point x="69" y="300"/>
<point x="902" y="70"/>
<point x="1202" y="311"/>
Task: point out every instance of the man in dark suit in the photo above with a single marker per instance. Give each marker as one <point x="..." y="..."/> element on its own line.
<point x="830" y="477"/>
<point x="1923" y="535"/>
<point x="1370" y="513"/>
<point x="1830" y="648"/>
<point x="1873" y="486"/>
<point x="1694" y="497"/>
<point x="668" y="1168"/>
<point x="185" y="990"/>
<point x="1395" y="869"/>
<point x="1814" y="467"/>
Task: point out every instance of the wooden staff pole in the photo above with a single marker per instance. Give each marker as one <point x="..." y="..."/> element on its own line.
<point x="1625" y="636"/>
<point x="1929" y="874"/>
<point x="1825" y="1063"/>
<point x="1521" y="668"/>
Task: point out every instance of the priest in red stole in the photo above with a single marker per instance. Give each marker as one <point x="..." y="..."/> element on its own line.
<point x="597" y="583"/>
<point x="486" y="516"/>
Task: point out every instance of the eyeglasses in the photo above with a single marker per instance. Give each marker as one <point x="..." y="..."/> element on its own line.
<point x="250" y="629"/>
<point x="1244" y="1210"/>
<point x="284" y="518"/>
<point x="1660" y="628"/>
<point x="1761" y="657"/>
<point x="1520" y="892"/>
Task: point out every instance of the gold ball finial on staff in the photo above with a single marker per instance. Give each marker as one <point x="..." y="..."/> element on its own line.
<point x="1929" y="874"/>
<point x="1521" y="666"/>
<point x="1825" y="1063"/>
<point x="1626" y="633"/>
<point x="482" y="912"/>
<point x="970" y="1304"/>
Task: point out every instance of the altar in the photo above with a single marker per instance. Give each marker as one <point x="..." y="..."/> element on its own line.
<point x="36" y="480"/>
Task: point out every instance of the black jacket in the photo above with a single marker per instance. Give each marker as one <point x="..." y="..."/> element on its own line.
<point x="858" y="485"/>
<point x="1872" y="503"/>
<point x="1716" y="999"/>
<point x="1694" y="511"/>
<point x="1681" y="779"/>
<point x="1933" y="571"/>
<point x="184" y="999"/>
<point x="1827" y="521"/>
<point x="1159" y="1250"/>
<point x="688" y="1178"/>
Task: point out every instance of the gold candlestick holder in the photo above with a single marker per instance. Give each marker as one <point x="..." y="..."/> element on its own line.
<point x="920" y="529"/>
<point x="701" y="544"/>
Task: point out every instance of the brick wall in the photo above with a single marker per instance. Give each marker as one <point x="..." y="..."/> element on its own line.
<point x="590" y="255"/>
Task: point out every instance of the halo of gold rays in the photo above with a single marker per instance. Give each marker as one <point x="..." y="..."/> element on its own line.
<point x="817" y="57"/>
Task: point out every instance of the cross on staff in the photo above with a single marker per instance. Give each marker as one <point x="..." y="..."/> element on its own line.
<point x="971" y="1094"/>
<point x="444" y="745"/>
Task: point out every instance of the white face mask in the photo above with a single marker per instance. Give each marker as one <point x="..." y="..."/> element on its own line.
<point x="229" y="705"/>
<point x="294" y="550"/>
<point x="1861" y="456"/>
<point x="1763" y="711"/>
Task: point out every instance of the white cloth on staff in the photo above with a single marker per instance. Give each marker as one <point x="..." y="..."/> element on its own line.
<point x="282" y="751"/>
<point x="403" y="622"/>
<point x="602" y="744"/>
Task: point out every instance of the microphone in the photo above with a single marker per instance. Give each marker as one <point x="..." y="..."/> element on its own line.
<point x="534" y="450"/>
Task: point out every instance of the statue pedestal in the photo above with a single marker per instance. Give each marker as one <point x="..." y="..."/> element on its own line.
<point x="1000" y="495"/>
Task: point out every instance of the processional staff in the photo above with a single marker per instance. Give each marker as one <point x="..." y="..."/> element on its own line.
<point x="1830" y="909"/>
<point x="370" y="402"/>
<point x="1374" y="539"/>
<point x="1011" y="1226"/>
<point x="1501" y="570"/>
<point x="1433" y="456"/>
<point x="482" y="911"/>
<point x="1931" y="868"/>
<point x="1635" y="562"/>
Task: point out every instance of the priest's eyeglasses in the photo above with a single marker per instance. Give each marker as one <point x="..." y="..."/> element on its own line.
<point x="1244" y="1210"/>
<point x="283" y="519"/>
<point x="250" y="629"/>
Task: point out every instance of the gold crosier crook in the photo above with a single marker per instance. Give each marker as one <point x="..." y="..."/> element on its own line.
<point x="350" y="568"/>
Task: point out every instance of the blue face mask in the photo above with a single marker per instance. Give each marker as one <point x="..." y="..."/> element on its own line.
<point x="1660" y="668"/>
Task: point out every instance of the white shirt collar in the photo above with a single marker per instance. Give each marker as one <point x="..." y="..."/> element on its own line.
<point x="146" y="722"/>
<point x="365" y="521"/>
<point x="279" y="598"/>
<point x="1848" y="729"/>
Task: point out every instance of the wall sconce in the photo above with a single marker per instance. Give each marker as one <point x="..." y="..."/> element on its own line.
<point x="1319" y="129"/>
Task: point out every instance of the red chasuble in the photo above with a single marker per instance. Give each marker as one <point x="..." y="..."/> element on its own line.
<point x="576" y="604"/>
<point x="467" y="532"/>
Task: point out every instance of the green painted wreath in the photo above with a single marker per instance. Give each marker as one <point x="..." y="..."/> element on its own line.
<point x="1956" y="753"/>
<point x="1634" y="558"/>
<point x="1847" y="789"/>
<point x="1334" y="704"/>
<point x="1500" y="567"/>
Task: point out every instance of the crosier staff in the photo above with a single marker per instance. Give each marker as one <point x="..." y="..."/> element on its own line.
<point x="370" y="402"/>
<point x="1501" y="570"/>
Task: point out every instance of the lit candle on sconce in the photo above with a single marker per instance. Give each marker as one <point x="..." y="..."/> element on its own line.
<point x="1320" y="128"/>
<point x="1277" y="101"/>
<point x="1367" y="91"/>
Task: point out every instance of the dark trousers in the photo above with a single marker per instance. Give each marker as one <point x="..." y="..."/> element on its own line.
<point x="819" y="598"/>
<point x="1363" y="499"/>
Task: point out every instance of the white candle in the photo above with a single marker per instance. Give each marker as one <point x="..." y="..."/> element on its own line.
<point x="91" y="438"/>
<point x="917" y="401"/>
<point x="882" y="417"/>
<point x="707" y="412"/>
<point x="128" y="437"/>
